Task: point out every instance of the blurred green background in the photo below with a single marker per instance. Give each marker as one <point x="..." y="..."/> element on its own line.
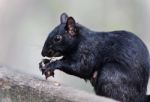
<point x="25" y="24"/>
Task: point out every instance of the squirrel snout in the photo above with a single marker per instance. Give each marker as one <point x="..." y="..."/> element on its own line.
<point x="47" y="53"/>
<point x="43" y="53"/>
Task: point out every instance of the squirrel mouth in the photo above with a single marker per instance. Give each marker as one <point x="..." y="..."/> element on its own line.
<point x="57" y="54"/>
<point x="52" y="53"/>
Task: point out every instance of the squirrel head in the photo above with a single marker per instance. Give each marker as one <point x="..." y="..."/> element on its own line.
<point x="63" y="39"/>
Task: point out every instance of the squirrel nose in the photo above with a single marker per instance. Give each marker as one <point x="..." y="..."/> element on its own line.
<point x="43" y="53"/>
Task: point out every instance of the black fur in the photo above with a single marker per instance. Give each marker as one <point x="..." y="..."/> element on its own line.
<point x="120" y="59"/>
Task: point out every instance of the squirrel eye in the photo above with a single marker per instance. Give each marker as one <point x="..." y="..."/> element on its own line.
<point x="58" y="38"/>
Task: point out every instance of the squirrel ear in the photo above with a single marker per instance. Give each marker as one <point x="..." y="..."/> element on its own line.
<point x="63" y="18"/>
<point x="71" y="26"/>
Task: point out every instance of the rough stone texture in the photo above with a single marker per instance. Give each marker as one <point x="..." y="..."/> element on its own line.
<point x="19" y="87"/>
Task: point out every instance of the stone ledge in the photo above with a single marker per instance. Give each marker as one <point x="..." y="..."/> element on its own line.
<point x="20" y="87"/>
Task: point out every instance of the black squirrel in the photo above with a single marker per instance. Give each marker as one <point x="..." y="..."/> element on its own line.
<point x="117" y="63"/>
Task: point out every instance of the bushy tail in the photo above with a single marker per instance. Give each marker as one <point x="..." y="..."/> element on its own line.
<point x="148" y="98"/>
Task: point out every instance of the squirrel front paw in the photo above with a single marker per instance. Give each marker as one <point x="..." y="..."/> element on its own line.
<point x="43" y="66"/>
<point x="48" y="72"/>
